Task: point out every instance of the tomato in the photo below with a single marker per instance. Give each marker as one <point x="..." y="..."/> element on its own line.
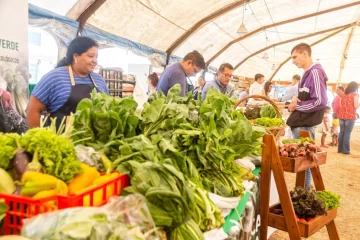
<point x="310" y="219"/>
<point x="302" y="220"/>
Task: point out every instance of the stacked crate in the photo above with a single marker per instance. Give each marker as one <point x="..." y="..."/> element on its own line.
<point x="118" y="84"/>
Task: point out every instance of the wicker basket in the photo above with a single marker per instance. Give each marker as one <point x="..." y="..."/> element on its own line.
<point x="276" y="131"/>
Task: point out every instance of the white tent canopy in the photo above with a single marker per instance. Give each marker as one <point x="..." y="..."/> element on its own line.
<point x="209" y="26"/>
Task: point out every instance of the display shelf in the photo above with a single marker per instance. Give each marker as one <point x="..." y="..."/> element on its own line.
<point x="271" y="162"/>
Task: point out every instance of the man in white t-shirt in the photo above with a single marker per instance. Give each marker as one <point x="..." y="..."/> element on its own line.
<point x="257" y="87"/>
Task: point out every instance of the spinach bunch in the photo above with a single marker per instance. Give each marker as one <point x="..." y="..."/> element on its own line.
<point x="102" y="120"/>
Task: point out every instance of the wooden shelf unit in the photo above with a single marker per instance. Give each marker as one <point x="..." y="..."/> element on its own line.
<point x="271" y="162"/>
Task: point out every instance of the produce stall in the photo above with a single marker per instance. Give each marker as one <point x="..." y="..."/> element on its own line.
<point x="174" y="152"/>
<point x="183" y="159"/>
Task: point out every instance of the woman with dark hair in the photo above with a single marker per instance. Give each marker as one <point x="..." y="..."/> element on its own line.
<point x="73" y="79"/>
<point x="349" y="102"/>
<point x="153" y="80"/>
<point x="267" y="89"/>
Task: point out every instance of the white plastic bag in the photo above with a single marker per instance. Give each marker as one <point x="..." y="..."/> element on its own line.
<point x="215" y="234"/>
<point x="223" y="203"/>
<point x="245" y="163"/>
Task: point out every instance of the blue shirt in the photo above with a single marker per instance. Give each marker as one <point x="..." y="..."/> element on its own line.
<point x="290" y="93"/>
<point x="172" y="75"/>
<point x="54" y="88"/>
<point x="228" y="89"/>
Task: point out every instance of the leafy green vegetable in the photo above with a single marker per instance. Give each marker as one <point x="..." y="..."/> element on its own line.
<point x="55" y="153"/>
<point x="269" y="122"/>
<point x="306" y="204"/>
<point x="268" y="111"/>
<point x="9" y="142"/>
<point x="300" y="140"/>
<point x="252" y="113"/>
<point x="172" y="196"/>
<point x="331" y="200"/>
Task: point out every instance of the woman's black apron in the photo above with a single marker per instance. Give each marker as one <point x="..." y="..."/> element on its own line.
<point x="78" y="92"/>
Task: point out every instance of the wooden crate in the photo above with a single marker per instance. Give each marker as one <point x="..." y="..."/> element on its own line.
<point x="299" y="164"/>
<point x="306" y="229"/>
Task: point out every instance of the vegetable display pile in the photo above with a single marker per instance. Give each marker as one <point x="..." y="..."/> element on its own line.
<point x="309" y="203"/>
<point x="39" y="149"/>
<point x="176" y="149"/>
<point x="306" y="204"/>
<point x="299" y="149"/>
<point x="269" y="122"/>
<point x="268" y="111"/>
<point x="252" y="113"/>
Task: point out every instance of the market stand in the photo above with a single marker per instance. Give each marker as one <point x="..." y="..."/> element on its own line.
<point x="271" y="161"/>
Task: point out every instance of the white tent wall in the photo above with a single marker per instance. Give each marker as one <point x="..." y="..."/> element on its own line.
<point x="160" y="23"/>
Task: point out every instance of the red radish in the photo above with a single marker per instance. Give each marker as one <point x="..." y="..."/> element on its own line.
<point x="284" y="153"/>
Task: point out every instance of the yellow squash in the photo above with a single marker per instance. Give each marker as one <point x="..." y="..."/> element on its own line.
<point x="83" y="179"/>
<point x="98" y="194"/>
<point x="35" y="182"/>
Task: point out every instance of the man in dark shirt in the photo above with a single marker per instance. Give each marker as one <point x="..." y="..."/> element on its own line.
<point x="177" y="73"/>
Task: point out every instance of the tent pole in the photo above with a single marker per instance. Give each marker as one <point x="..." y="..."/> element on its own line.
<point x="345" y="53"/>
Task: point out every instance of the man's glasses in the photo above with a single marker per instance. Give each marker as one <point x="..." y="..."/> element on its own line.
<point x="227" y="75"/>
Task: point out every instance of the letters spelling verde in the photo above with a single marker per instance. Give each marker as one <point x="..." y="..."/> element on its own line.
<point x="9" y="45"/>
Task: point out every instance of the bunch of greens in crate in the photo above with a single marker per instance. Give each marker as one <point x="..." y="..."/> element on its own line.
<point x="268" y="111"/>
<point x="306" y="203"/>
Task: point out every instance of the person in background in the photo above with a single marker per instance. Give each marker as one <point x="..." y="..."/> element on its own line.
<point x="267" y="90"/>
<point x="335" y="130"/>
<point x="177" y="73"/>
<point x="243" y="94"/>
<point x="336" y="102"/>
<point x="307" y="110"/>
<point x="348" y="105"/>
<point x="11" y="120"/>
<point x="256" y="88"/>
<point x="324" y="127"/>
<point x="60" y="90"/>
<point x="199" y="87"/>
<point x="221" y="82"/>
<point x="152" y="82"/>
<point x="293" y="90"/>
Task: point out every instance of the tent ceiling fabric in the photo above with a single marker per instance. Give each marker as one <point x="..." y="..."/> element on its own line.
<point x="159" y="23"/>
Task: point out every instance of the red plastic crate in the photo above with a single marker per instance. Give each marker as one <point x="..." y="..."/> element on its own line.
<point x="21" y="207"/>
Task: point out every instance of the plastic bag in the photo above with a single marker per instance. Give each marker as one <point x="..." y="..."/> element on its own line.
<point x="122" y="218"/>
<point x="89" y="156"/>
<point x="245" y="163"/>
<point x="223" y="203"/>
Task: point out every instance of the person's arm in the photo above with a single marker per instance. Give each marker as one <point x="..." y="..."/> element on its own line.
<point x="289" y="94"/>
<point x="356" y="101"/>
<point x="39" y="100"/>
<point x="33" y="111"/>
<point x="317" y="93"/>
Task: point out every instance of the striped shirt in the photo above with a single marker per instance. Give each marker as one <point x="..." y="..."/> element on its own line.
<point x="54" y="88"/>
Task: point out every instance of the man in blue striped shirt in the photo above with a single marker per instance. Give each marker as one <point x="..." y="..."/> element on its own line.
<point x="60" y="90"/>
